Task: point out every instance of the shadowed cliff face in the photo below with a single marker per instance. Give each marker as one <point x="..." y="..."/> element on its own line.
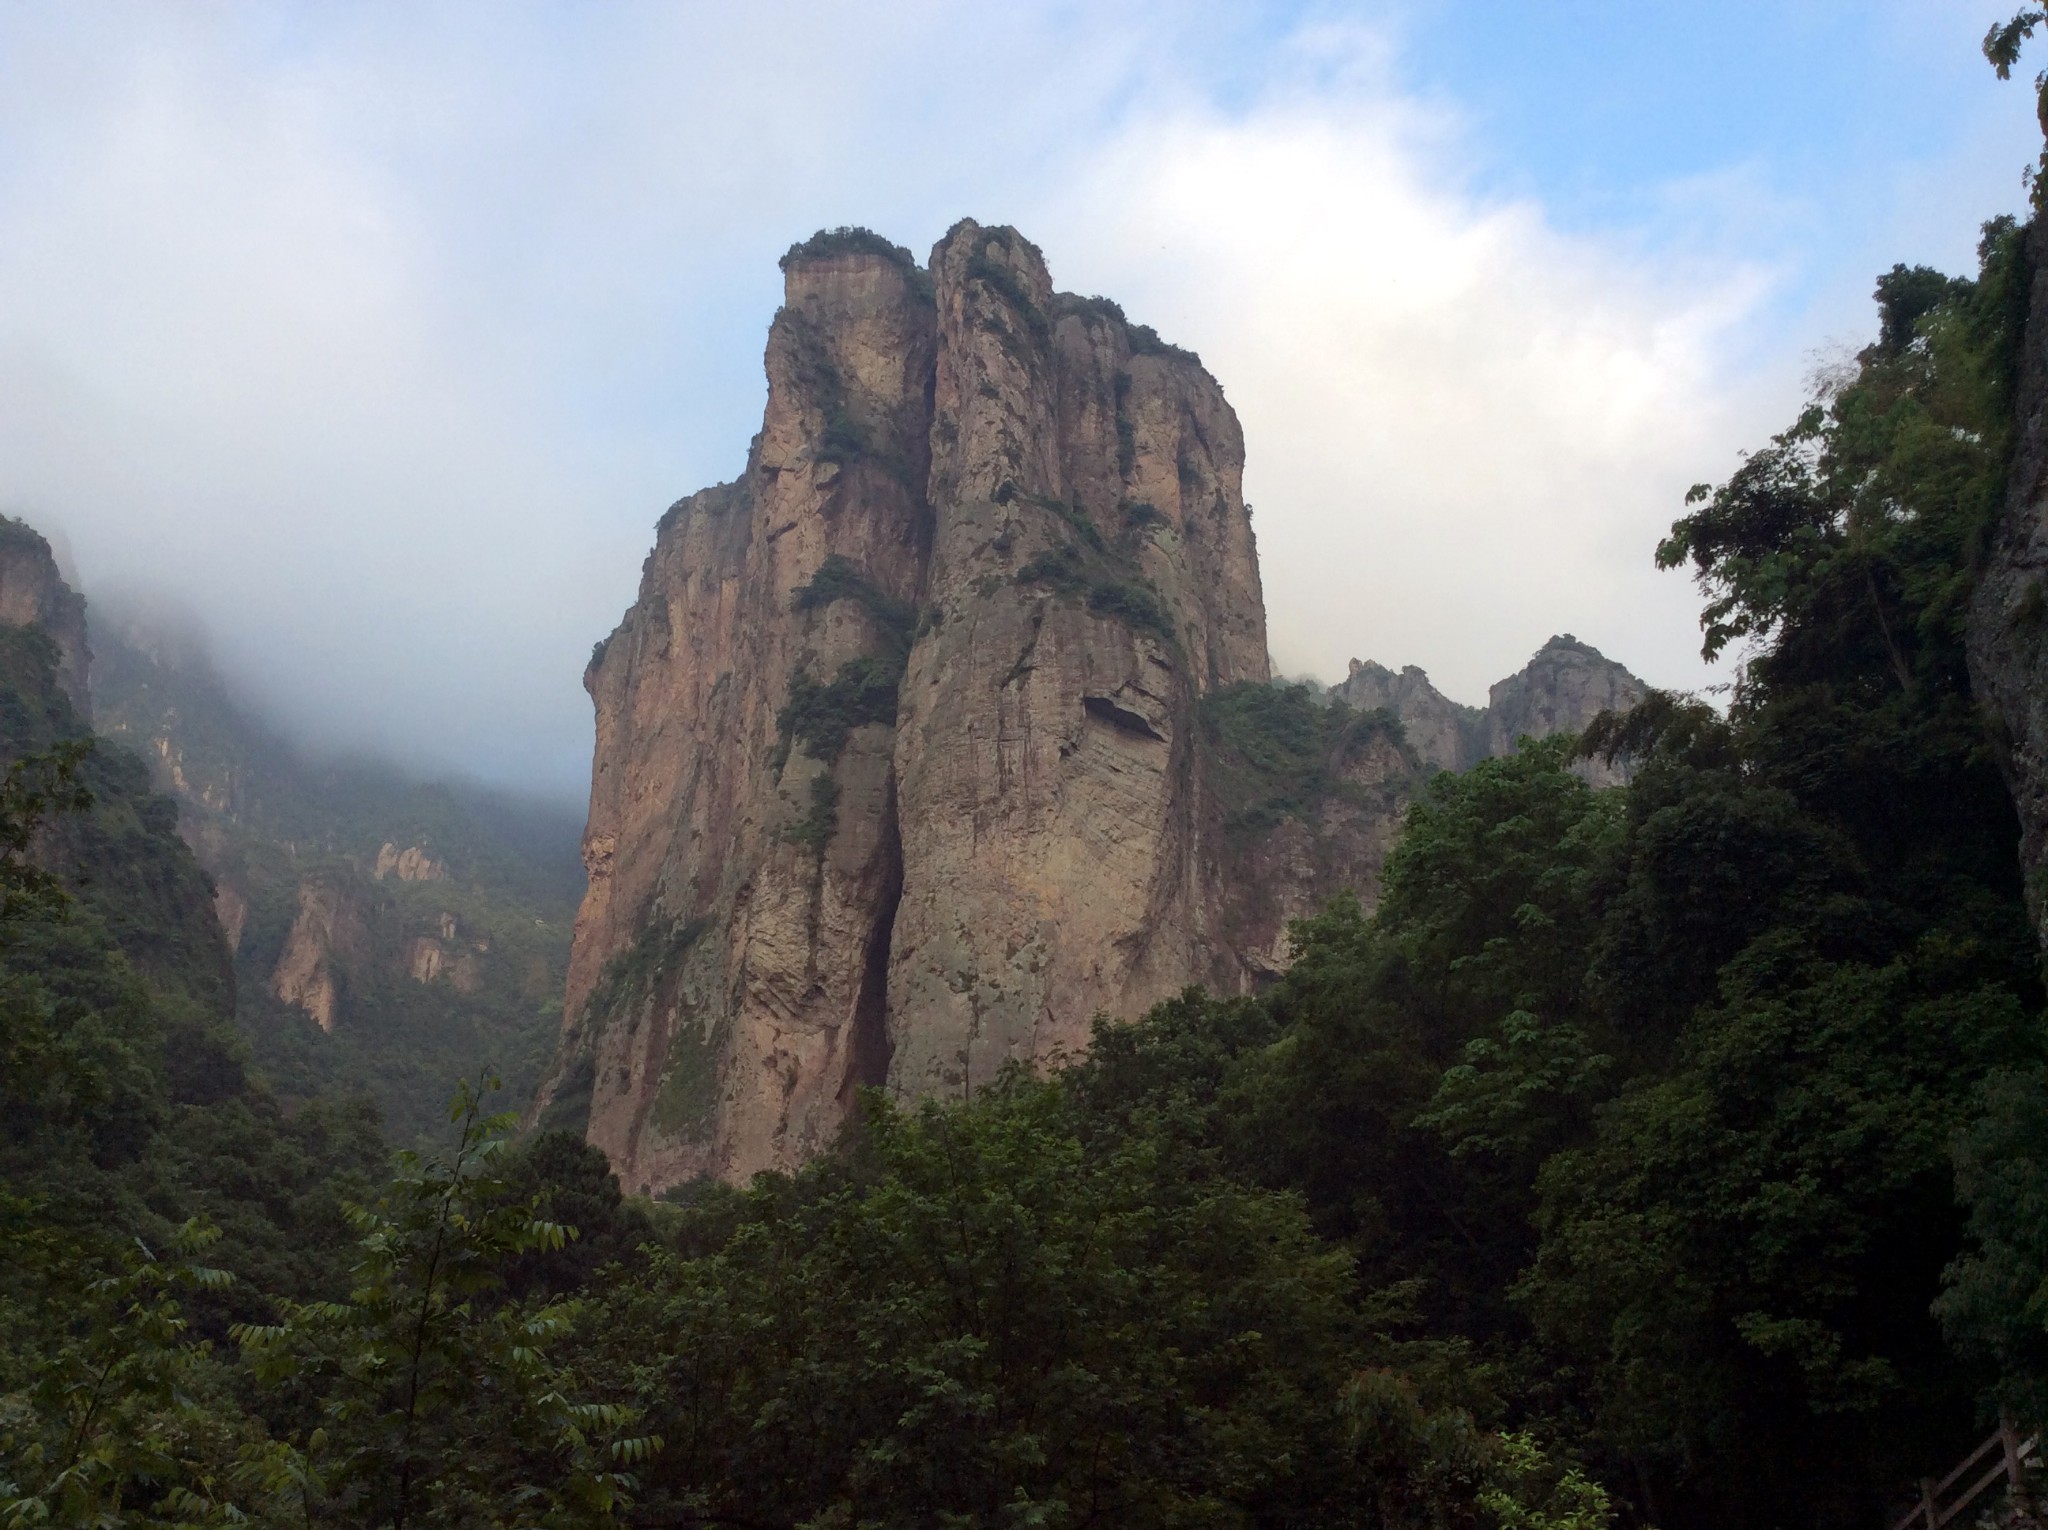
<point x="33" y="594"/>
<point x="915" y="753"/>
<point x="725" y="991"/>
<point x="2008" y="637"/>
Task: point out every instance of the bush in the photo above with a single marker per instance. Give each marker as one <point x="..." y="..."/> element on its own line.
<point x="821" y="717"/>
<point x="846" y="240"/>
<point x="1274" y="748"/>
<point x="838" y="579"/>
<point x="1133" y="604"/>
<point x="1089" y="566"/>
<point x="815" y="828"/>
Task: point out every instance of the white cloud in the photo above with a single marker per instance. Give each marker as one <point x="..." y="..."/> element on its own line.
<point x="1466" y="430"/>
<point x="383" y="333"/>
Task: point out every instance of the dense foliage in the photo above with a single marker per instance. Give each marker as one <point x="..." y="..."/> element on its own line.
<point x="1276" y="751"/>
<point x="1050" y="1305"/>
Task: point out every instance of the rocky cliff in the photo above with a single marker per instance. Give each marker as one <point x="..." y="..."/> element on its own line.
<point x="2008" y="620"/>
<point x="1560" y="690"/>
<point x="1564" y="687"/>
<point x="895" y="750"/>
<point x="1446" y="734"/>
<point x="946" y="726"/>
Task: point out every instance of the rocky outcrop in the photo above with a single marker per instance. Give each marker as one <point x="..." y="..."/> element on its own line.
<point x="893" y="750"/>
<point x="429" y="961"/>
<point x="232" y="909"/>
<point x="33" y="594"/>
<point x="1445" y="734"/>
<point x="936" y="734"/>
<point x="327" y="935"/>
<point x="1560" y="690"/>
<point x="412" y="864"/>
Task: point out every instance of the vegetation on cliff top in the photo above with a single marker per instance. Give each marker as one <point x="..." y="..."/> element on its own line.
<point x="1144" y="339"/>
<point x="846" y="240"/>
<point x="1278" y="751"/>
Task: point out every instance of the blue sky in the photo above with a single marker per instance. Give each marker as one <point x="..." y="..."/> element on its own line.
<point x="381" y="334"/>
<point x="1826" y="112"/>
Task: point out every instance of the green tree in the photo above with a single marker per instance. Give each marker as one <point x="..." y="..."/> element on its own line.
<point x="991" y="1314"/>
<point x="2002" y="46"/>
<point x="425" y="1398"/>
<point x="1815" y="950"/>
<point x="126" y="1420"/>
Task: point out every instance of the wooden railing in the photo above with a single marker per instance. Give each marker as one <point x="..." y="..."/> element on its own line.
<point x="1940" y="1502"/>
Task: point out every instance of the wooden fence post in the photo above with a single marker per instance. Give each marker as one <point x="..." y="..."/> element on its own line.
<point x="2022" y="1503"/>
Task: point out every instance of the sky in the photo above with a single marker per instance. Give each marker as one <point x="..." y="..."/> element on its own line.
<point x="381" y="334"/>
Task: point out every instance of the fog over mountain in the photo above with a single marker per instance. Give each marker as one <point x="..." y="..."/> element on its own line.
<point x="382" y="335"/>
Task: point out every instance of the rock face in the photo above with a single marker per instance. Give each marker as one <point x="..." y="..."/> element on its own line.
<point x="2008" y="621"/>
<point x="33" y="594"/>
<point x="327" y="936"/>
<point x="894" y="750"/>
<point x="1563" y="688"/>
<point x="412" y="864"/>
<point x="1092" y="575"/>
<point x="913" y="754"/>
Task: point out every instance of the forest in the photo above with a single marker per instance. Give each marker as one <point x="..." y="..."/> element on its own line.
<point x="1669" y="1154"/>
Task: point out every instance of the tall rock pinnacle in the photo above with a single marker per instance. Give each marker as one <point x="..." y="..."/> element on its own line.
<point x="936" y="734"/>
<point x="893" y="748"/>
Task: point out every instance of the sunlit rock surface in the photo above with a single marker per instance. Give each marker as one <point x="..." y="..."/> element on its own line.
<point x="902" y="769"/>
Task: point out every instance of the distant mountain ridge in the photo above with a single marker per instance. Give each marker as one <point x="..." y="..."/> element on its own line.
<point x="1560" y="690"/>
<point x="389" y="935"/>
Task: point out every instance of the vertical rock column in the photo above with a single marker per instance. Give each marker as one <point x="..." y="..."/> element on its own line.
<point x="723" y="997"/>
<point x="898" y="753"/>
<point x="1045" y="748"/>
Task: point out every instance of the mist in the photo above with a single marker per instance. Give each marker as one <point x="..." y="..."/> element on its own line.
<point x="380" y="336"/>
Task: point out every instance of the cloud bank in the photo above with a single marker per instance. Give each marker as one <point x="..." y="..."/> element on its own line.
<point x="381" y="335"/>
<point x="1466" y="429"/>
